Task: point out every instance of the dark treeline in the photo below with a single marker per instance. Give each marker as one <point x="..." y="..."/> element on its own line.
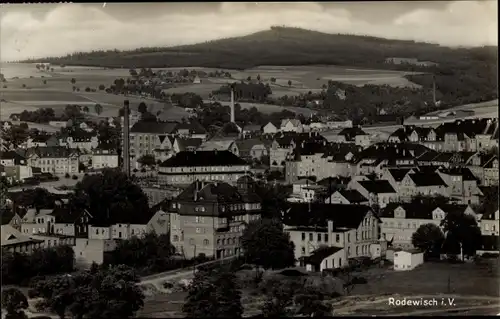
<point x="462" y="75"/>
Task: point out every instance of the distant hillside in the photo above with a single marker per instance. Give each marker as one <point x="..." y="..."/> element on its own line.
<point x="463" y="75"/>
<point x="277" y="46"/>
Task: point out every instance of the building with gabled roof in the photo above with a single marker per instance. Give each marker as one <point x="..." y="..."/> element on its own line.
<point x="15" y="241"/>
<point x="221" y="144"/>
<point x="209" y="217"/>
<point x="422" y="183"/>
<point x="56" y="160"/>
<point x="378" y="192"/>
<point x="352" y="228"/>
<point x="186" y="167"/>
<point x="284" y="144"/>
<point x="186" y="144"/>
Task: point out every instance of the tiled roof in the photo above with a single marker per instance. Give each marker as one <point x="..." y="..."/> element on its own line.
<point x="352" y="195"/>
<point x="418" y="210"/>
<point x="304" y="214"/>
<point x="377" y="187"/>
<point x="154" y="127"/>
<point x="12" y="155"/>
<point x="459" y="171"/>
<point x="194" y="127"/>
<point x="285" y="139"/>
<point x="247" y="144"/>
<point x="203" y="158"/>
<point x="222" y="144"/>
<point x="339" y="151"/>
<point x="427" y="179"/>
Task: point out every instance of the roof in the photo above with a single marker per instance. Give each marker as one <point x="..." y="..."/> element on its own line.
<point x="320" y="254"/>
<point x="154" y="127"/>
<point x="419" y="210"/>
<point x="52" y="151"/>
<point x="6" y="214"/>
<point x="310" y="214"/>
<point x="352" y="195"/>
<point x="377" y="187"/>
<point x="247" y="144"/>
<point x="252" y="128"/>
<point x="193" y="127"/>
<point x="459" y="171"/>
<point x="11" y="236"/>
<point x="222" y="144"/>
<point x="12" y="155"/>
<point x="285" y="139"/>
<point x="188" y="143"/>
<point x="427" y="179"/>
<point x="203" y="158"/>
<point x="399" y="173"/>
<point x="294" y="122"/>
<point x="351" y="132"/>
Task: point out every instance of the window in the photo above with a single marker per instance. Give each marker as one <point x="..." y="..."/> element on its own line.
<point x="198" y="230"/>
<point x="191" y="241"/>
<point x="223" y="241"/>
<point x="319" y="237"/>
<point x="348" y="238"/>
<point x="348" y="251"/>
<point x="310" y="236"/>
<point x="337" y="238"/>
<point x="205" y="242"/>
<point x="176" y="238"/>
<point x="357" y="251"/>
<point x="120" y="234"/>
<point x="303" y="250"/>
<point x="325" y="238"/>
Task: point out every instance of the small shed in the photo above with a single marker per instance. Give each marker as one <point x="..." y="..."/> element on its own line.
<point x="408" y="259"/>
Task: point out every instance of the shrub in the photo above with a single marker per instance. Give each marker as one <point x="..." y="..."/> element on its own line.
<point x="143" y="170"/>
<point x="74" y="177"/>
<point x="135" y="170"/>
<point x="66" y="175"/>
<point x="87" y="89"/>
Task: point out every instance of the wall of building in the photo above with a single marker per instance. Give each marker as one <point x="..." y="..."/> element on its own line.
<point x="88" y="251"/>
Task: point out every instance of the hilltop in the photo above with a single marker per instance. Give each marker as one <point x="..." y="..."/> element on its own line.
<point x="277" y="46"/>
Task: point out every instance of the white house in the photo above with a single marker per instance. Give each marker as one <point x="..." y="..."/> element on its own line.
<point x="270" y="128"/>
<point x="291" y="125"/>
<point x="408" y="259"/>
<point x="104" y="157"/>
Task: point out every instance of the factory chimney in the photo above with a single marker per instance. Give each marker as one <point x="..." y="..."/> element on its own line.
<point x="126" y="138"/>
<point x="232" y="103"/>
<point x="434" y="90"/>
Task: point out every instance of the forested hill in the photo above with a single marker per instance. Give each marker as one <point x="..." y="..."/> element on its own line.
<point x="280" y="46"/>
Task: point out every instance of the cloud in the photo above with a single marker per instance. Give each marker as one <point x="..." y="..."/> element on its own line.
<point x="72" y="27"/>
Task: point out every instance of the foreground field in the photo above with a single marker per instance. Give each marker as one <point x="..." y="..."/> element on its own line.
<point x="472" y="288"/>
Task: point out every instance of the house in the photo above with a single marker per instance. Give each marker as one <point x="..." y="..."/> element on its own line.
<point x="104" y="156"/>
<point x="490" y="223"/>
<point x="284" y="144"/>
<point x="56" y="160"/>
<point x="158" y="194"/>
<point x="352" y="228"/>
<point x="378" y="192"/>
<point x="251" y="130"/>
<point x="338" y="124"/>
<point x="324" y="258"/>
<point x="252" y="149"/>
<point x="221" y="144"/>
<point x="270" y="128"/>
<point x="196" y="80"/>
<point x="61" y="124"/>
<point x="85" y="127"/>
<point x="186" y="167"/>
<point x="408" y="259"/>
<point x="42" y="140"/>
<point x="489" y="245"/>
<point x="14" y="241"/>
<point x="422" y="183"/>
<point x="305" y="190"/>
<point x="395" y="176"/>
<point x="353" y="135"/>
<point x="11" y="158"/>
<point x="462" y="185"/>
<point x="209" y="218"/>
<point x="193" y="129"/>
<point x="400" y="220"/>
<point x="291" y="125"/>
<point x="186" y="144"/>
<point x="484" y="166"/>
<point x="305" y="160"/>
<point x="134" y="117"/>
<point x="347" y="196"/>
<point x="151" y="138"/>
<point x="11" y="216"/>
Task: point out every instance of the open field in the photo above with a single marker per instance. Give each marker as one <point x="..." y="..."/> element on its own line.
<point x="271" y="108"/>
<point x="471" y="286"/>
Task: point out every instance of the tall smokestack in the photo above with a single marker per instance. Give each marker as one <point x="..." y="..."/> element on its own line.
<point x="126" y="138"/>
<point x="434" y="89"/>
<point x="232" y="104"/>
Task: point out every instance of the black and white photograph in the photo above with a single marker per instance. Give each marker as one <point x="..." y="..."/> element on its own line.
<point x="249" y="159"/>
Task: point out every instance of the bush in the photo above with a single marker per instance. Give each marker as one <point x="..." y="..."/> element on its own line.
<point x="135" y="170"/>
<point x="101" y="87"/>
<point x="66" y="175"/>
<point x="143" y="170"/>
<point x="74" y="177"/>
<point x="87" y="89"/>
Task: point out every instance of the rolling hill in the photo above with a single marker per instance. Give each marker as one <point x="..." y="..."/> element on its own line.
<point x="279" y="46"/>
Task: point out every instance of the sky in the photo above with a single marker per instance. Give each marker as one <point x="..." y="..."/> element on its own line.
<point x="41" y="30"/>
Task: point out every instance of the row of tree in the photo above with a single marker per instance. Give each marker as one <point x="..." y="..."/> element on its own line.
<point x="19" y="269"/>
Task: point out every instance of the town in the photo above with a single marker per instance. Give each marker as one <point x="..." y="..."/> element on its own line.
<point x="131" y="189"/>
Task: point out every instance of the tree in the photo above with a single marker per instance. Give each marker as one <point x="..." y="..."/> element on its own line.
<point x="14" y="301"/>
<point x="110" y="292"/>
<point x="249" y="78"/>
<point x="148" y="117"/>
<point x="15" y="135"/>
<point x="73" y="80"/>
<point x="278" y="298"/>
<point x="98" y="108"/>
<point x="428" y="238"/>
<point x="147" y="160"/>
<point x="310" y="302"/>
<point x="143" y="108"/>
<point x="109" y="195"/>
<point x="213" y="294"/>
<point x="265" y="244"/>
<point x="102" y="87"/>
<point x="289" y="82"/>
<point x="85" y="109"/>
<point x="258" y="77"/>
<point x="462" y="234"/>
<point x="44" y="81"/>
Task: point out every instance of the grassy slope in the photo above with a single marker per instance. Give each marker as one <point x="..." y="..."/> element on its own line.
<point x="278" y="46"/>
